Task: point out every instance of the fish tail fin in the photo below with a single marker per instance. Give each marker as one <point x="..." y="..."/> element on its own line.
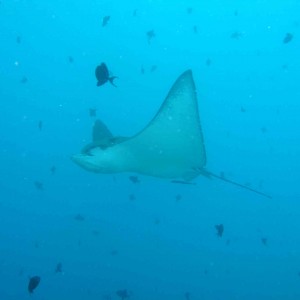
<point x="111" y="80"/>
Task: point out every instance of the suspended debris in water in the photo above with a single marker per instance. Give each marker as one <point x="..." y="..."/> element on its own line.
<point x="243" y="109"/>
<point x="33" y="283"/>
<point x="135" y="13"/>
<point x="142" y="70"/>
<point x="18" y="39"/>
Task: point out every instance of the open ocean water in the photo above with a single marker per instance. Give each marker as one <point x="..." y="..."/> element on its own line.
<point x="128" y="236"/>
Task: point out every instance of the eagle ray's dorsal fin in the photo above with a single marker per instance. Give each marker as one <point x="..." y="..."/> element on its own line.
<point x="100" y="132"/>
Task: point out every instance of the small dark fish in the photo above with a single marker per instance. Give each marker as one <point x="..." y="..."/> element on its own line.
<point x="39" y="185"/>
<point x="40" y="125"/>
<point x="157" y="221"/>
<point x="93" y="112"/>
<point x="24" y="79"/>
<point x="134" y="179"/>
<point x="95" y="232"/>
<point x="243" y="109"/>
<point x="70" y="59"/>
<point x="21" y="272"/>
<point x="150" y="35"/>
<point x="195" y="29"/>
<point x="263" y="129"/>
<point x="123" y="294"/>
<point x="264" y="241"/>
<point x="105" y="20"/>
<point x="220" y="229"/>
<point x="132" y="197"/>
<point x="102" y="75"/>
<point x="33" y="283"/>
<point x="114" y="252"/>
<point x="18" y="39"/>
<point x="288" y="37"/>
<point x="187" y="296"/>
<point x="142" y="70"/>
<point x="189" y="10"/>
<point x="183" y="182"/>
<point x="236" y="13"/>
<point x="79" y="217"/>
<point x="58" y="268"/>
<point x="178" y="197"/>
<point x="153" y="68"/>
<point x="106" y="297"/>
<point x="208" y="62"/>
<point x="135" y="13"/>
<point x="53" y="170"/>
<point x="236" y="35"/>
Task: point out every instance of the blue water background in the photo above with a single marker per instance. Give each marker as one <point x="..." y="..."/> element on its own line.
<point x="154" y="246"/>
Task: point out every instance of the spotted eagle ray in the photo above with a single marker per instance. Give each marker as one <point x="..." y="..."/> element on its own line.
<point x="171" y="146"/>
